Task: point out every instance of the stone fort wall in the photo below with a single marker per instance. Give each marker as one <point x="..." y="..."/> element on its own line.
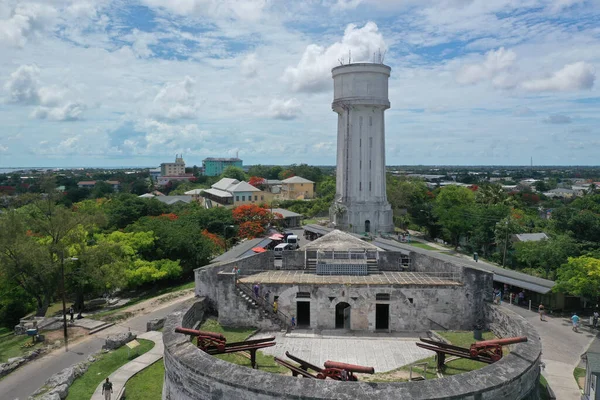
<point x="193" y="374"/>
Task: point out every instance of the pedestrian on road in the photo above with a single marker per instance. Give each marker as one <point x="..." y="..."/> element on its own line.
<point x="71" y="313"/>
<point x="575" y="320"/>
<point x="107" y="389"/>
<point x="541" y="310"/>
<point x="293" y="322"/>
<point x="595" y="319"/>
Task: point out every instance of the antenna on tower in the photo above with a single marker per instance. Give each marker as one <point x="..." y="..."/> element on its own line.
<point x="237" y="154"/>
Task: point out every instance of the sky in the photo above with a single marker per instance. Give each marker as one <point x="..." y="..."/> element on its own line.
<point x="134" y="82"/>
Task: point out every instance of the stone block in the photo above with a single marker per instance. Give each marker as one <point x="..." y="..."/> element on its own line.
<point x="115" y="341"/>
<point x="155" y="324"/>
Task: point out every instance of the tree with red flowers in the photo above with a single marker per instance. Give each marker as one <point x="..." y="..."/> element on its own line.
<point x="252" y="220"/>
<point x="217" y="240"/>
<point x="257" y="182"/>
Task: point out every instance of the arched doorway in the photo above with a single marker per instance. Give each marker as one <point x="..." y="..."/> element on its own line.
<point x="342" y="316"/>
<point x="367" y="226"/>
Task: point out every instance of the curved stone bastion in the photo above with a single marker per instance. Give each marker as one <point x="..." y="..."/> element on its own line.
<point x="193" y="374"/>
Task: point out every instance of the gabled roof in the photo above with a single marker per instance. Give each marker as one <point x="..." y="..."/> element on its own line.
<point x="194" y="191"/>
<point x="296" y="179"/>
<point x="225" y="183"/>
<point x="242" y="187"/>
<point x="531" y="237"/>
<point x="217" y="192"/>
<point x="286" y="213"/>
<point x="147" y="196"/>
<point x="174" y="199"/>
<point x="337" y="240"/>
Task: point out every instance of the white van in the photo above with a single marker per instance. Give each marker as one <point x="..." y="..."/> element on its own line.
<point x="278" y="251"/>
<point x="293" y="241"/>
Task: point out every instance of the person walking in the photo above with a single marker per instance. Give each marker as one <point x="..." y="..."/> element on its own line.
<point x="236" y="273"/>
<point x="293" y="322"/>
<point x="256" y="290"/>
<point x="575" y="321"/>
<point x="71" y="313"/>
<point x="107" y="389"/>
<point x="595" y="319"/>
<point x="541" y="310"/>
<point x="275" y="306"/>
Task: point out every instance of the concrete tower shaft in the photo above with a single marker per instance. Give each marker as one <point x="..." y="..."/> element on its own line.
<point x="360" y="99"/>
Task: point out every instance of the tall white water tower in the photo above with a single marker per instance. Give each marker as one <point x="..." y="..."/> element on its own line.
<point x="360" y="98"/>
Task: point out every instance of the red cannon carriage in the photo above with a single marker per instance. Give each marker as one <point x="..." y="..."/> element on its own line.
<point x="487" y="351"/>
<point x="333" y="370"/>
<point x="205" y="339"/>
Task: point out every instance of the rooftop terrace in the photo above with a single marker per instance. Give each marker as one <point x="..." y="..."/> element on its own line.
<point x="384" y="278"/>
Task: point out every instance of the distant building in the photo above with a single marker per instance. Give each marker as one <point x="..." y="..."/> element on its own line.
<point x="290" y="218"/>
<point x="215" y="166"/>
<point x="560" y="192"/>
<point x="297" y="188"/>
<point x="231" y="193"/>
<point x="529" y="237"/>
<point x="173" y="169"/>
<point x="154" y="173"/>
<point x="116" y="185"/>
<point x="164" y="180"/>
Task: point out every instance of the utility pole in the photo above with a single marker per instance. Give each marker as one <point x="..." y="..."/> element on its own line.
<point x="505" y="245"/>
<point x="64" y="302"/>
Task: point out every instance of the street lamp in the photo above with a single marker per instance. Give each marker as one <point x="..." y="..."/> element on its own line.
<point x="225" y="234"/>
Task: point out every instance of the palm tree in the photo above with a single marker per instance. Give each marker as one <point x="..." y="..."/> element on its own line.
<point x="492" y="194"/>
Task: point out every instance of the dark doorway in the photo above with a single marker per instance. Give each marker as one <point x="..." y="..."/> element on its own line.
<point x="342" y="316"/>
<point x="382" y="316"/>
<point x="303" y="314"/>
<point x="367" y="226"/>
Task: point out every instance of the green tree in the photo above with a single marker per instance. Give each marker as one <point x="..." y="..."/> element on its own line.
<point x="234" y="173"/>
<point x="125" y="209"/>
<point x="580" y="276"/>
<point x="451" y="207"/>
<point x="101" y="189"/>
<point x="546" y="255"/>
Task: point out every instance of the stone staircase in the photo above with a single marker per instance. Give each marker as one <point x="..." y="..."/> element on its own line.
<point x="265" y="309"/>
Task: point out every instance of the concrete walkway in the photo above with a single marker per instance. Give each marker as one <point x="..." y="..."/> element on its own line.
<point x="120" y="377"/>
<point x="561" y="351"/>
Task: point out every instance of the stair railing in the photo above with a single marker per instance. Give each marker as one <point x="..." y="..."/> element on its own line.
<point x="265" y="305"/>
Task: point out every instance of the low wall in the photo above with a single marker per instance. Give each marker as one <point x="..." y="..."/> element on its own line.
<point x="193" y="374"/>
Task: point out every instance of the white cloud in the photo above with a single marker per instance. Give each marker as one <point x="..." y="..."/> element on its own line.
<point x="3" y="149"/>
<point x="27" y="20"/>
<point x="523" y="112"/>
<point x="284" y="109"/>
<point x="24" y="87"/>
<point x="558" y="119"/>
<point x="245" y="10"/>
<point x="560" y="5"/>
<point x="577" y="76"/>
<point x="498" y="67"/>
<point x="313" y="72"/>
<point x="67" y="112"/>
<point x="249" y="66"/>
<point x="176" y="101"/>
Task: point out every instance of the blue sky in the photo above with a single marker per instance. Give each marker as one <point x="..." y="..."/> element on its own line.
<point x="134" y="82"/>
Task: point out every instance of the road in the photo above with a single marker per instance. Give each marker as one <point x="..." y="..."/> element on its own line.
<point x="24" y="381"/>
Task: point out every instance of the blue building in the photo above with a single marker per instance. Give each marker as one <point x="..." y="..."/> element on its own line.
<point x="216" y="166"/>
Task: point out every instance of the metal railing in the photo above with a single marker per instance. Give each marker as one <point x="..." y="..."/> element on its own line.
<point x="265" y="305"/>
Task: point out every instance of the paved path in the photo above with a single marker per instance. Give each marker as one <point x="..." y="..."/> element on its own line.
<point x="561" y="351"/>
<point x="120" y="377"/>
<point x="24" y="381"/>
<point x="384" y="352"/>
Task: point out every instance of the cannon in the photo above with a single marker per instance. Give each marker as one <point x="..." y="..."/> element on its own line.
<point x="215" y="343"/>
<point x="487" y="351"/>
<point x="204" y="339"/>
<point x="493" y="348"/>
<point x="333" y="370"/>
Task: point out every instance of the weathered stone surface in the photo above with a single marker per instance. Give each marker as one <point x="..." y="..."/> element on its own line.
<point x="115" y="341"/>
<point x="57" y="386"/>
<point x="193" y="374"/>
<point x="155" y="324"/>
<point x="15" y="362"/>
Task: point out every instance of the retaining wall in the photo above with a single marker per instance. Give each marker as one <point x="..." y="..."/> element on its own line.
<point x="193" y="374"/>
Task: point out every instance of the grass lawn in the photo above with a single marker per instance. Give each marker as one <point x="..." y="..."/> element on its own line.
<point x="423" y="246"/>
<point x="544" y="394"/>
<point x="455" y="367"/>
<point x="10" y="345"/>
<point x="265" y="362"/>
<point x="147" y="384"/>
<point x="84" y="386"/>
<point x="579" y="373"/>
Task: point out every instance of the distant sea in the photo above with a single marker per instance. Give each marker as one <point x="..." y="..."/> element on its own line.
<point x="9" y="170"/>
